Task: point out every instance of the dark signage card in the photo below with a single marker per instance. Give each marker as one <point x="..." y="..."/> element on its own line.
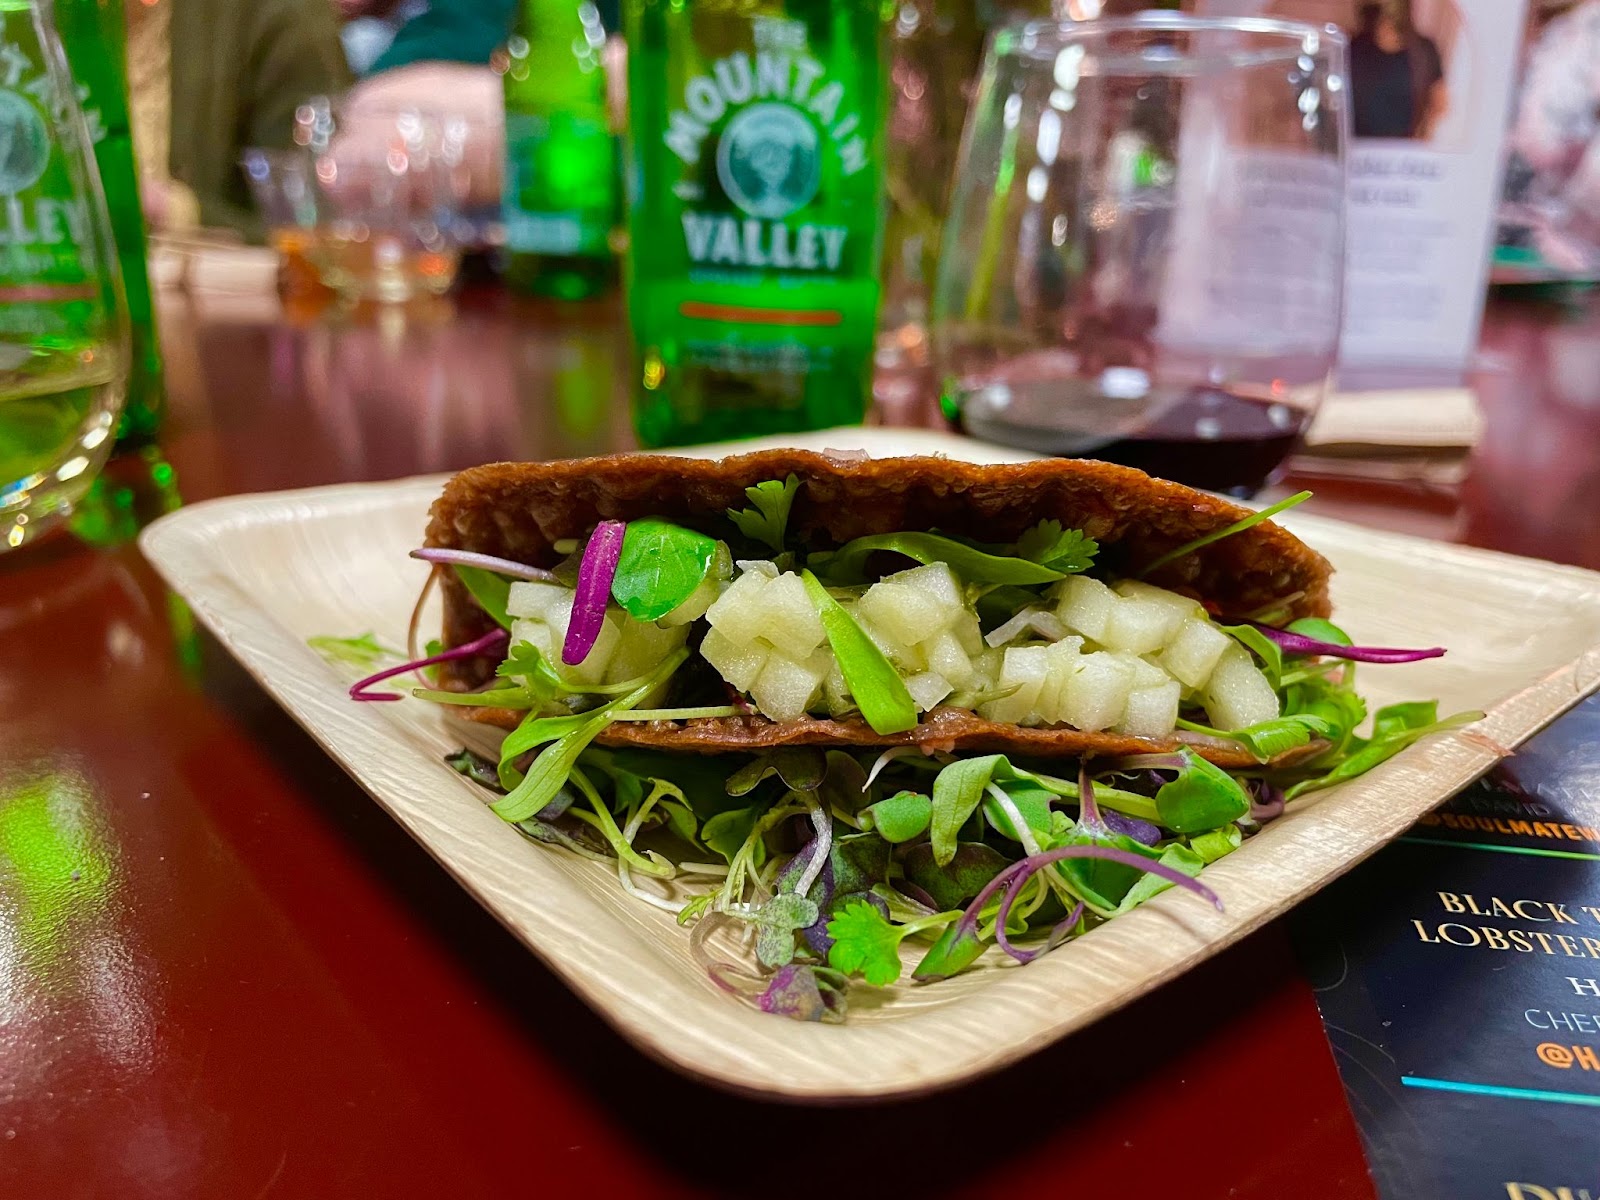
<point x="1458" y="974"/>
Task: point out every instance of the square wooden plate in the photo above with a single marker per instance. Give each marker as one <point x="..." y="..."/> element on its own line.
<point x="266" y="572"/>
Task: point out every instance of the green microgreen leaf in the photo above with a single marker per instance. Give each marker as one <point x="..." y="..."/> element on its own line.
<point x="972" y="866"/>
<point x="727" y="831"/>
<point x="800" y="768"/>
<point x="362" y="651"/>
<point x="848" y="563"/>
<point x="1031" y="801"/>
<point x="900" y="818"/>
<point x="865" y="943"/>
<point x="879" y="691"/>
<point x="491" y="591"/>
<point x="1177" y="856"/>
<point x="1268" y="739"/>
<point x="526" y="665"/>
<point x="956" y="949"/>
<point x="1393" y="729"/>
<point x="1219" y="842"/>
<point x="1249" y="522"/>
<point x="777" y="922"/>
<point x="474" y="767"/>
<point x="1201" y="798"/>
<point x="660" y="567"/>
<point x="1321" y="629"/>
<point x="768" y="521"/>
<point x="1069" y="551"/>
<point x="957" y="792"/>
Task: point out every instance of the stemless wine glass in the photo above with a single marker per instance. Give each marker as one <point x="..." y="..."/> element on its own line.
<point x="1143" y="260"/>
<point x="63" y="321"/>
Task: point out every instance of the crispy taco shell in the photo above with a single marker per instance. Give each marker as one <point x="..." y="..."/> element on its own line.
<point x="520" y="510"/>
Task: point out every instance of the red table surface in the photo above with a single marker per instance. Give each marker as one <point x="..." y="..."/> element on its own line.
<point x="225" y="973"/>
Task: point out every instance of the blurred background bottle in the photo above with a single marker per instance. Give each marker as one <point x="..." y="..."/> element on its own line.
<point x="563" y="192"/>
<point x="95" y="37"/>
<point x="755" y="165"/>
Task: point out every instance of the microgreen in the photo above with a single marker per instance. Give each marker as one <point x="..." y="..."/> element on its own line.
<point x="491" y="591"/>
<point x="660" y="566"/>
<point x="848" y="563"/>
<point x="363" y="650"/>
<point x="777" y="922"/>
<point x="804" y="993"/>
<point x="474" y="767"/>
<point x="1202" y="797"/>
<point x="901" y="817"/>
<point x="865" y="943"/>
<point x="526" y="665"/>
<point x="879" y="691"/>
<point x="957" y="792"/>
<point x="1393" y="729"/>
<point x="972" y="866"/>
<point x="1321" y="629"/>
<point x="799" y="768"/>
<point x="1066" y="550"/>
<point x="768" y="521"/>
<point x="727" y="831"/>
<point x="1268" y="739"/>
<point x="1024" y="797"/>
<point x="1249" y="522"/>
<point x="1264" y="648"/>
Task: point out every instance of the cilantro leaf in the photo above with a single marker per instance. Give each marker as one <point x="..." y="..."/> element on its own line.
<point x="865" y="943"/>
<point x="768" y="521"/>
<point x="1066" y="550"/>
<point x="528" y="666"/>
<point x="362" y="651"/>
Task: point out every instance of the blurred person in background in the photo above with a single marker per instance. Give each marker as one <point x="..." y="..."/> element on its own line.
<point x="1557" y="129"/>
<point x="370" y="27"/>
<point x="209" y="78"/>
<point x="1397" y="85"/>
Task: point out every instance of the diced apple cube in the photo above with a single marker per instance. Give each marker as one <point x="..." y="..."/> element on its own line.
<point x="907" y="614"/>
<point x="1152" y="712"/>
<point x="1180" y="607"/>
<point x="1145" y="673"/>
<point x="945" y="655"/>
<point x="738" y="613"/>
<point x="1194" y="651"/>
<point x="1238" y="695"/>
<point x="1138" y="625"/>
<point x="785" y="688"/>
<point x="1024" y="668"/>
<point x="529" y="598"/>
<point x="969" y="632"/>
<point x="935" y="580"/>
<point x="791" y="621"/>
<point x="1062" y="660"/>
<point x="536" y="634"/>
<point x="641" y="648"/>
<point x="697" y="602"/>
<point x="927" y="689"/>
<point x="1085" y="605"/>
<point x="738" y="664"/>
<point x="1097" y="693"/>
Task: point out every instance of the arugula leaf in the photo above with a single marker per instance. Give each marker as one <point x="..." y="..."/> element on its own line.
<point x="1177" y="856"/>
<point x="768" y="521"/>
<point x="900" y="818"/>
<point x="1267" y="650"/>
<point x="777" y="922"/>
<point x="848" y="563"/>
<point x="865" y="943"/>
<point x="1066" y="550"/>
<point x="1249" y="522"/>
<point x="1268" y="739"/>
<point x="879" y="691"/>
<point x="1322" y="630"/>
<point x="957" y="792"/>
<point x="660" y="567"/>
<point x="362" y="651"/>
<point x="491" y="591"/>
<point x="972" y="866"/>
<point x="1201" y="798"/>
<point x="525" y="663"/>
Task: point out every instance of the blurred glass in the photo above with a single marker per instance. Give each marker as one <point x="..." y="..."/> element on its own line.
<point x="63" y="320"/>
<point x="374" y="208"/>
<point x="1142" y="261"/>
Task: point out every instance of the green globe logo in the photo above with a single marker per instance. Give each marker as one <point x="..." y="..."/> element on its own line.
<point x="24" y="144"/>
<point x="769" y="161"/>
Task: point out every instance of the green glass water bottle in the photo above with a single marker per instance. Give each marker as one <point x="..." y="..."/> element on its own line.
<point x="755" y="168"/>
<point x="563" y="196"/>
<point x="95" y="37"/>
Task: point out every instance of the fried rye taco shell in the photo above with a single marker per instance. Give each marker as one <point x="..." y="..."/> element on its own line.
<point x="520" y="510"/>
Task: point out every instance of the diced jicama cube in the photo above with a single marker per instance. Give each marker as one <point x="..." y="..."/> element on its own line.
<point x="641" y="647"/>
<point x="1024" y="668"/>
<point x="790" y="620"/>
<point x="1181" y="608"/>
<point x="738" y="613"/>
<point x="593" y="668"/>
<point x="945" y="655"/>
<point x="1145" y="673"/>
<point x="1193" y="652"/>
<point x="937" y="581"/>
<point x="1061" y="659"/>
<point x="968" y="632"/>
<point x="1085" y="605"/>
<point x="1151" y="712"/>
<point x="703" y="597"/>
<point x="785" y="688"/>
<point x="1238" y="695"/>
<point x="537" y="635"/>
<point x="927" y="689"/>
<point x="1138" y="625"/>
<point x="909" y="659"/>
<point x="533" y="599"/>
<point x="906" y="613"/>
<point x="836" y="692"/>
<point x="738" y="664"/>
<point x="1097" y="693"/>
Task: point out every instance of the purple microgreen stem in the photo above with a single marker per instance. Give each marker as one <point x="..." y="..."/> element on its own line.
<point x="492" y="642"/>
<point x="1299" y="643"/>
<point x="444" y="556"/>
